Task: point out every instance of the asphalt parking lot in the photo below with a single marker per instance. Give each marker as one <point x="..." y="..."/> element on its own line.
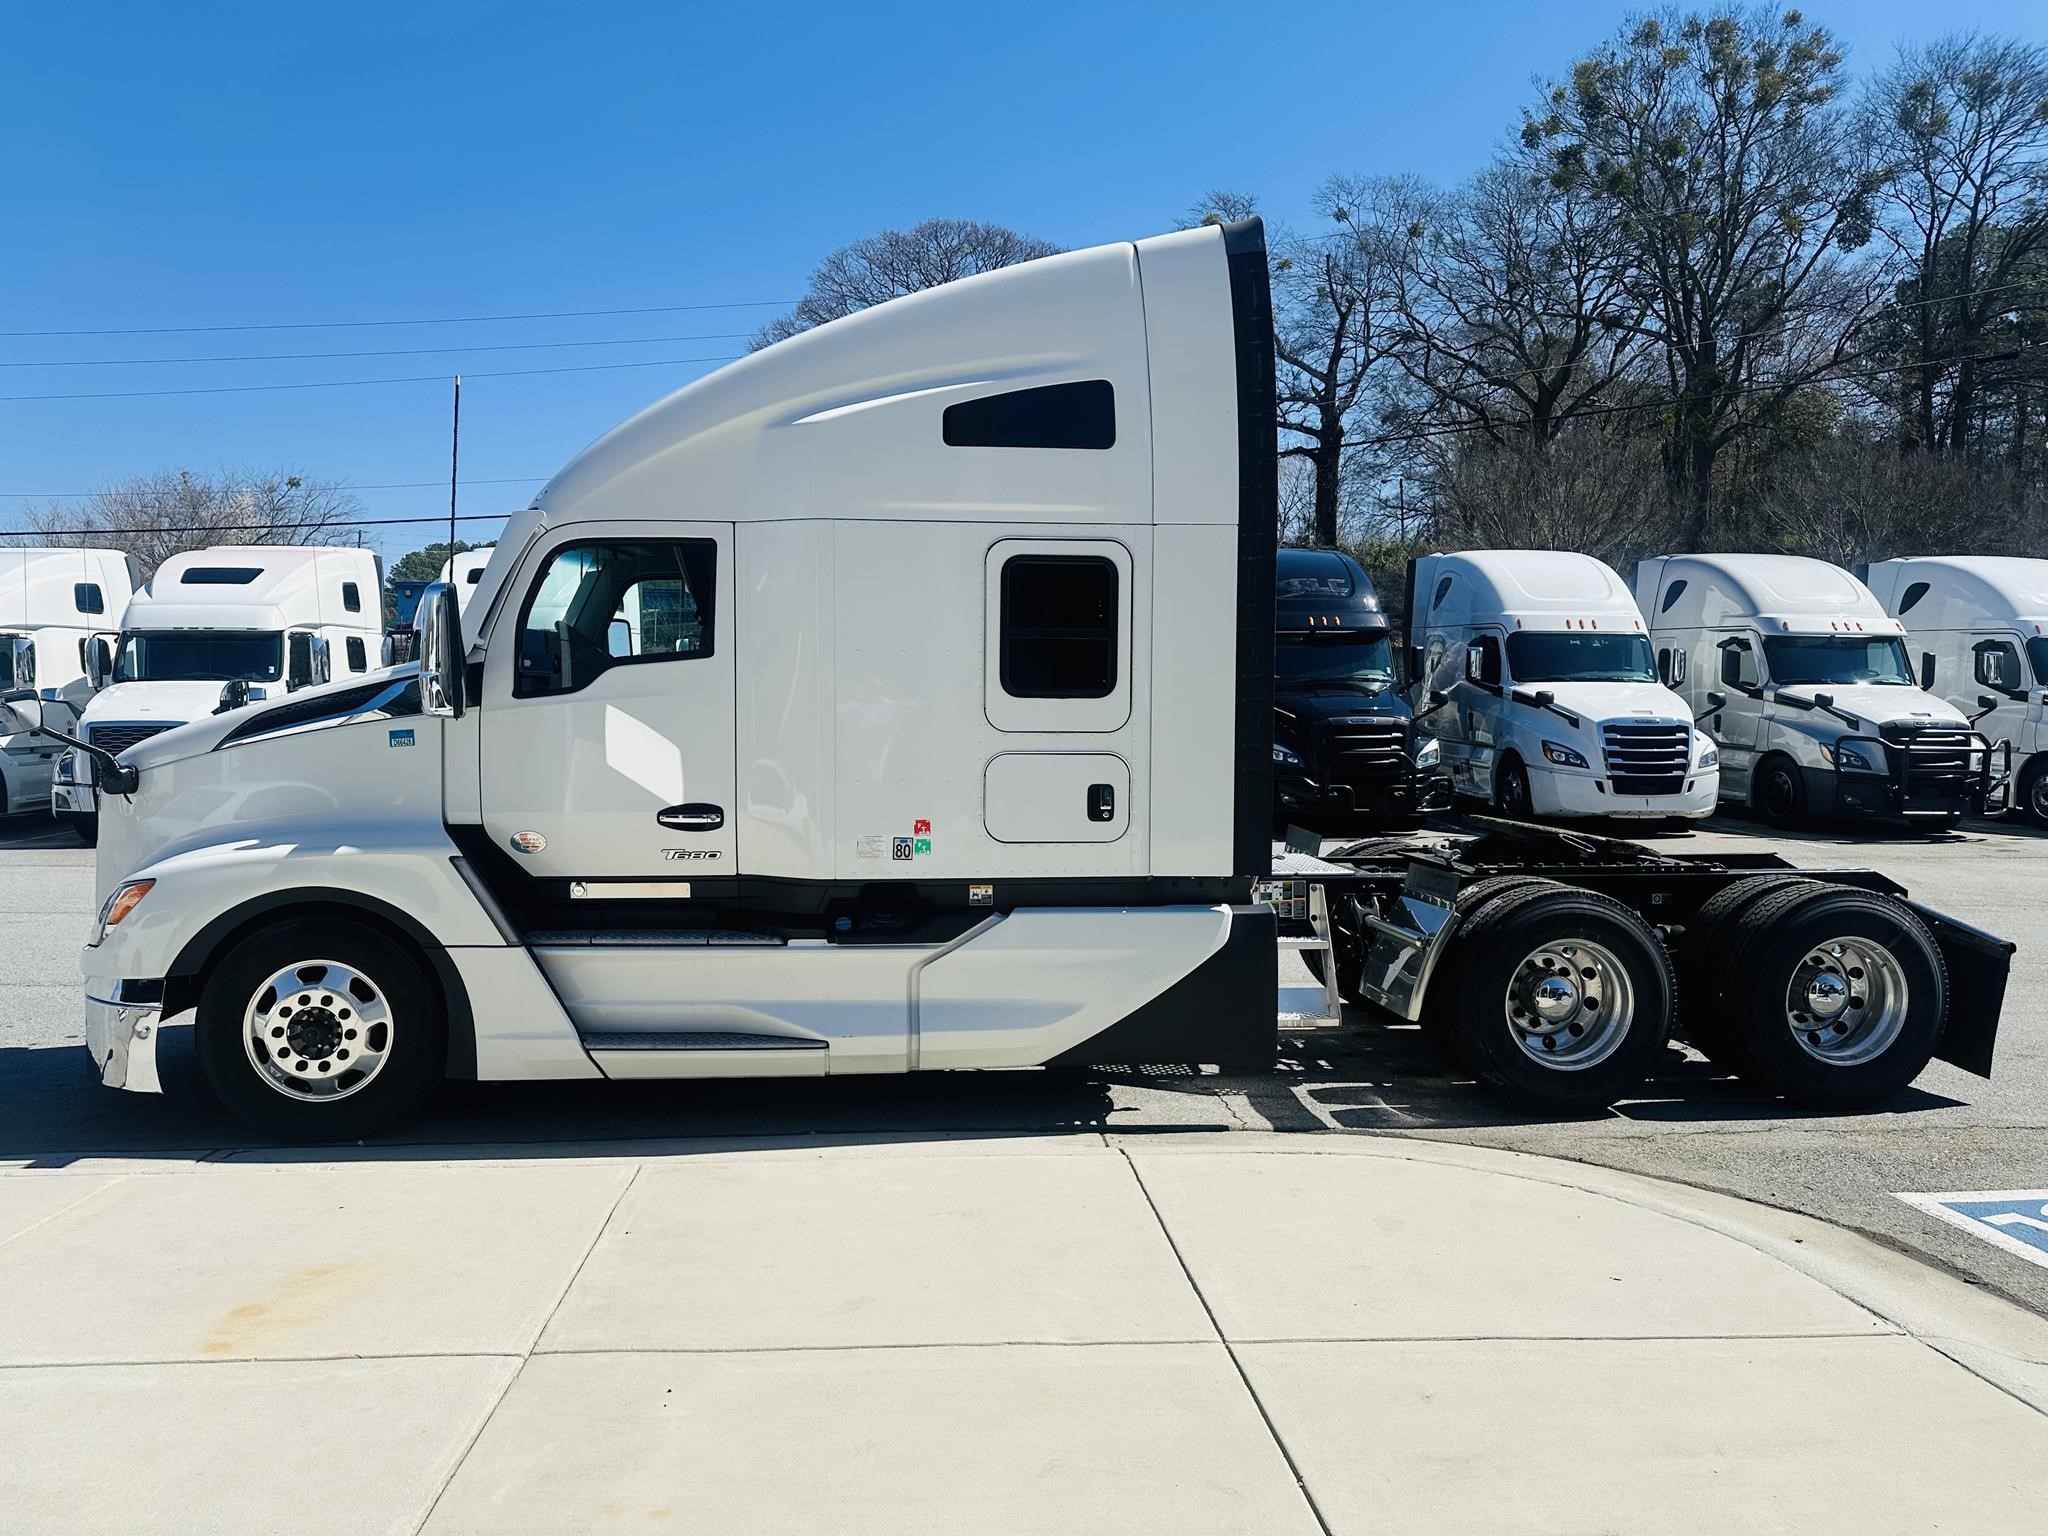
<point x="1951" y="1131"/>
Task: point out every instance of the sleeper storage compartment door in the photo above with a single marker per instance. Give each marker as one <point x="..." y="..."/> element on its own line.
<point x="1056" y="797"/>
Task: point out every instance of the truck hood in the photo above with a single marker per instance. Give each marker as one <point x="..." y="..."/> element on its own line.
<point x="1879" y="705"/>
<point x="1614" y="701"/>
<point x="1338" y="701"/>
<point x="328" y="703"/>
<point x="154" y="703"/>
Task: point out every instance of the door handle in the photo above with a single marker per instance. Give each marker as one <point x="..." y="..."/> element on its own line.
<point x="692" y="818"/>
<point x="1102" y="802"/>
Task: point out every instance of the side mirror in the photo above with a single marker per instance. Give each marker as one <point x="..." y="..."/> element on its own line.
<point x="98" y="657"/>
<point x="1927" y="671"/>
<point x="233" y="695"/>
<point x="1475" y="662"/>
<point x="618" y="638"/>
<point x="298" y="666"/>
<point x="439" y="623"/>
<point x="1677" y="667"/>
<point x="21" y="662"/>
<point x="20" y="709"/>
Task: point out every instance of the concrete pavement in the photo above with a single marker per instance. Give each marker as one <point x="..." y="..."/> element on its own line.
<point x="1227" y="1332"/>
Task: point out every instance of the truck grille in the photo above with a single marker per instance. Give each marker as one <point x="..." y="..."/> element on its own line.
<point x="119" y="738"/>
<point x="1647" y="757"/>
<point x="1367" y="750"/>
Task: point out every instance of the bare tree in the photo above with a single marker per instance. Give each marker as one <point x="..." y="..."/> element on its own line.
<point x="896" y="262"/>
<point x="1716" y="144"/>
<point x="1517" y="306"/>
<point x="156" y="516"/>
<point x="1595" y="486"/>
<point x="1962" y="125"/>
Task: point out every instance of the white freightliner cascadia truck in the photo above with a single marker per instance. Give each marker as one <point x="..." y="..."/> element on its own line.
<point x="1803" y="679"/>
<point x="52" y="603"/>
<point x="901" y="698"/>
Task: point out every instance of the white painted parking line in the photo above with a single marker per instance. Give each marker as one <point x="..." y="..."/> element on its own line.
<point x="2013" y="1219"/>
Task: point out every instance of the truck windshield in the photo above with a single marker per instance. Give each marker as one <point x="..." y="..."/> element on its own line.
<point x="1579" y="657"/>
<point x="1837" y="659"/>
<point x="1363" y="658"/>
<point x="199" y="655"/>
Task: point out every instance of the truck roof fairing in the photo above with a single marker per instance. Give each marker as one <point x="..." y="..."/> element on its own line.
<point x="1964" y="591"/>
<point x="1792" y="593"/>
<point x="1525" y="588"/>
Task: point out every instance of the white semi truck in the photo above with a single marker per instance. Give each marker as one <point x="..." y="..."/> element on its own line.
<point x="1803" y="679"/>
<point x="1533" y="669"/>
<point x="1978" y="628"/>
<point x="897" y="699"/>
<point x="52" y="601"/>
<point x="215" y="627"/>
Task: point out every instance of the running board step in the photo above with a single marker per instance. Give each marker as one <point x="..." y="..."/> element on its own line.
<point x="695" y="1040"/>
<point x="655" y="938"/>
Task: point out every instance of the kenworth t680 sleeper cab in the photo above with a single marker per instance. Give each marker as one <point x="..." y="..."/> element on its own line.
<point x="901" y="698"/>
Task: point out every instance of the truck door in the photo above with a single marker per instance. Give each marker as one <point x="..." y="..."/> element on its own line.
<point x="1738" y="725"/>
<point x="606" y="723"/>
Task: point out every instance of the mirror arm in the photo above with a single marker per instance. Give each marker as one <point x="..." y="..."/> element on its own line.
<point x="116" y="776"/>
<point x="1538" y="701"/>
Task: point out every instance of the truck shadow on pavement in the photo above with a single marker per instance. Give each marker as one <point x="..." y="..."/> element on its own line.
<point x="1363" y="1077"/>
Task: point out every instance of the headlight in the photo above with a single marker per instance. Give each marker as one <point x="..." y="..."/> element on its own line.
<point x="1287" y="757"/>
<point x="125" y="899"/>
<point x="1711" y="758"/>
<point x="1428" y="752"/>
<point x="1859" y="757"/>
<point x="1564" y="756"/>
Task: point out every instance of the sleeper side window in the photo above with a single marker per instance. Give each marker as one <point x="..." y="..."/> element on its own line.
<point x="1059" y="627"/>
<point x="351" y="597"/>
<point x="89" y="598"/>
<point x="608" y="603"/>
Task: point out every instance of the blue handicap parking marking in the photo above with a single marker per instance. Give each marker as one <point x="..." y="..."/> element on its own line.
<point x="2013" y="1219"/>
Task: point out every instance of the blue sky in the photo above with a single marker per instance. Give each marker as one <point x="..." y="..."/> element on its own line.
<point x="229" y="165"/>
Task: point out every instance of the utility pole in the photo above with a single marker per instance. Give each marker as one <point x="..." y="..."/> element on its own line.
<point x="454" y="462"/>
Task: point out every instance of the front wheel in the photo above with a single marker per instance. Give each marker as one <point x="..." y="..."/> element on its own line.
<point x="1781" y="793"/>
<point x="320" y="1031"/>
<point x="2034" y="794"/>
<point x="86" y="829"/>
<point x="1511" y="792"/>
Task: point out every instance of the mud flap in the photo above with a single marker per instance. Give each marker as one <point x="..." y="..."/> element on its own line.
<point x="1978" y="965"/>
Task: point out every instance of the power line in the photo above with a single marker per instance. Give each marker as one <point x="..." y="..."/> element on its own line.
<point x="322" y="526"/>
<point x="411" y="378"/>
<point x="304" y="357"/>
<point x="337" y="325"/>
<point x="388" y="485"/>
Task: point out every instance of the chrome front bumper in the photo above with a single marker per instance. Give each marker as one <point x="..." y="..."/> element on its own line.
<point x="122" y="1038"/>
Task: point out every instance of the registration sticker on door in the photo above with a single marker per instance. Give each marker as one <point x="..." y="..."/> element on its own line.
<point x="402" y="738"/>
<point x="2013" y="1219"/>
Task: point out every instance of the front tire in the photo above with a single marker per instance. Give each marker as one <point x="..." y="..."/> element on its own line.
<point x="2034" y="794"/>
<point x="1780" y="795"/>
<point x="86" y="829"/>
<point x="1511" y="796"/>
<point x="320" y="1031"/>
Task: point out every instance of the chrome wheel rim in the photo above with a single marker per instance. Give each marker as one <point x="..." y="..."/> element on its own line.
<point x="1846" y="1002"/>
<point x="1569" y="1005"/>
<point x="318" y="1029"/>
<point x="2037" y="796"/>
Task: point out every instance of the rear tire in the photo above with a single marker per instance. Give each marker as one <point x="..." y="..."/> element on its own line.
<point x="1704" y="1020"/>
<point x="1780" y="793"/>
<point x="364" y="1042"/>
<point x="1561" y="999"/>
<point x="1837" y="995"/>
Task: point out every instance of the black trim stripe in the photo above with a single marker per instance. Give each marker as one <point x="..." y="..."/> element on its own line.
<point x="1258" y="518"/>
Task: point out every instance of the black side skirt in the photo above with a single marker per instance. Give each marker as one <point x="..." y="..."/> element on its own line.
<point x="1222" y="1013"/>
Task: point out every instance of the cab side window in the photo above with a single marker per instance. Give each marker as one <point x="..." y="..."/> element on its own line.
<point x="607" y="603"/>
